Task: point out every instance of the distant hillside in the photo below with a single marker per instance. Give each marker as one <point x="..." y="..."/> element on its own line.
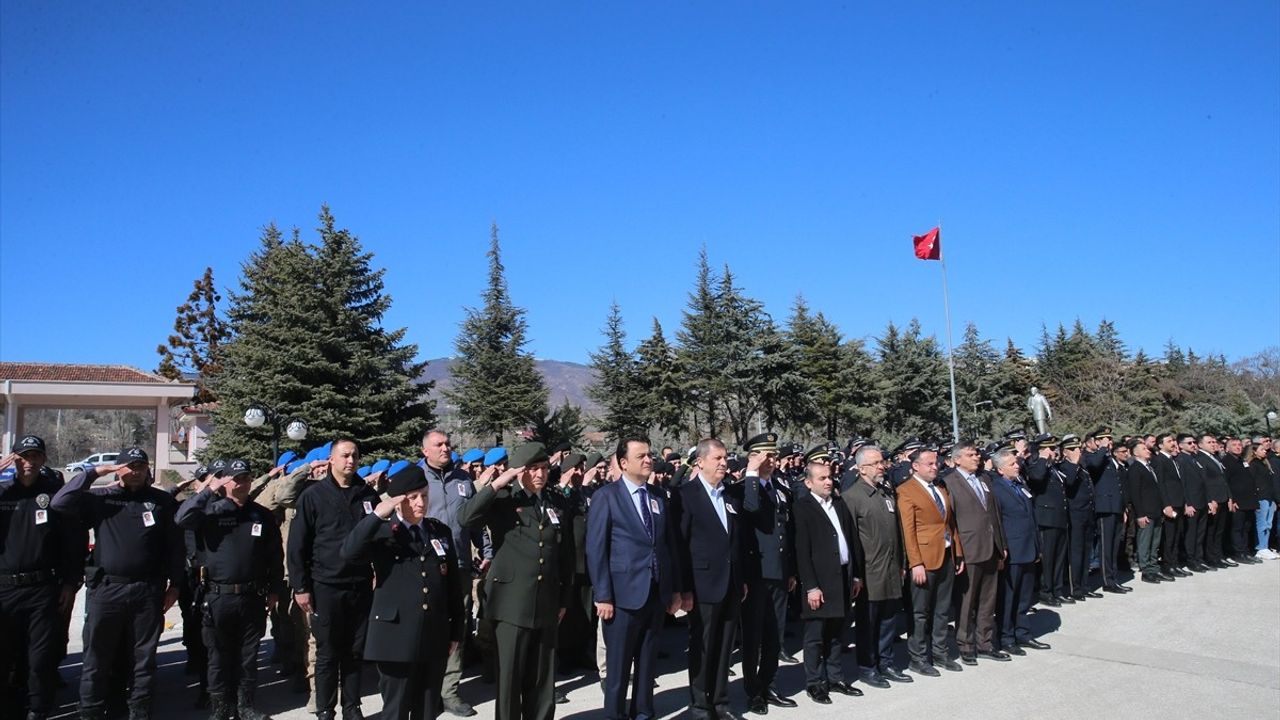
<point x="565" y="380"/>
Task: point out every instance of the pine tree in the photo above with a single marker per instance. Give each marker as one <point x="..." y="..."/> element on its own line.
<point x="617" y="387"/>
<point x="199" y="333"/>
<point x="658" y="375"/>
<point x="497" y="386"/>
<point x="911" y="384"/>
<point x="857" y="412"/>
<point x="701" y="353"/>
<point x="1015" y="376"/>
<point x="563" y="425"/>
<point x="977" y="389"/>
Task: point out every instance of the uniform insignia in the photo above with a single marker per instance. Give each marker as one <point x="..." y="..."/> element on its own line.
<point x="149" y="505"/>
<point x="42" y="501"/>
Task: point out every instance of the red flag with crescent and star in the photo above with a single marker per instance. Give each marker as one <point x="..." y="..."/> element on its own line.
<point x="929" y="245"/>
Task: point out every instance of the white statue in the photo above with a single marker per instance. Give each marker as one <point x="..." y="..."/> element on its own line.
<point x="1039" y="406"/>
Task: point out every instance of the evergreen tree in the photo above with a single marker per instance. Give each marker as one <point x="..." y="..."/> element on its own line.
<point x="701" y="353"/>
<point x="857" y="411"/>
<point x="497" y="386"/>
<point x="199" y="333"/>
<point x="658" y="375"/>
<point x="911" y="385"/>
<point x="977" y="384"/>
<point x="617" y="387"/>
<point x="1015" y="376"/>
<point x="563" y="425"/>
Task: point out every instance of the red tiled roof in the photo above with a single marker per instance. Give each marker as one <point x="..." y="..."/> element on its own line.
<point x="67" y="372"/>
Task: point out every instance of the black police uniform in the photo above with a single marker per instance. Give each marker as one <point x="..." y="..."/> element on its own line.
<point x="38" y="556"/>
<point x="1078" y="486"/>
<point x="137" y="555"/>
<point x="1051" y="519"/>
<point x="416" y="612"/>
<point x="242" y="563"/>
<point x="341" y="591"/>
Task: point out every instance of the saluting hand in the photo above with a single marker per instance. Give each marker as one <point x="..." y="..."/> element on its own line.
<point x="7" y="461"/>
<point x="388" y="506"/>
<point x="505" y="478"/>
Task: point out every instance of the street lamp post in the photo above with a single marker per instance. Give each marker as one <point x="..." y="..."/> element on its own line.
<point x="258" y="415"/>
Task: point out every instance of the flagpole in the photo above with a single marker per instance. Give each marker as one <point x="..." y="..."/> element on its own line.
<point x="951" y="365"/>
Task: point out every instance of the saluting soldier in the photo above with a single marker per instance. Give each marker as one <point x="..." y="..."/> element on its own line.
<point x="1107" y="468"/>
<point x="417" y="618"/>
<point x="40" y="561"/>
<point x="1078" y="486"/>
<point x="769" y="554"/>
<point x="1051" y="519"/>
<point x="528" y="583"/>
<point x="241" y="578"/>
<point x="133" y="577"/>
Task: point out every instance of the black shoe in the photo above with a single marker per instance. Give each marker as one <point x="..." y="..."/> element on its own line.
<point x="561" y="698"/>
<point x="871" y="678"/>
<point x="1092" y="594"/>
<point x="893" y="675"/>
<point x="1066" y="600"/>
<point x="732" y="673"/>
<point x="1251" y="559"/>
<point x="925" y="669"/>
<point x="757" y="706"/>
<point x="1015" y="650"/>
<point x="246" y="710"/>
<point x="462" y="709"/>
<point x="1050" y="602"/>
<point x="1223" y="564"/>
<point x="1034" y="644"/>
<point x="1166" y="576"/>
<point x="997" y="655"/>
<point x="786" y="659"/>
<point x="1179" y="572"/>
<point x="969" y="658"/>
<point x="1079" y="598"/>
<point x="727" y="714"/>
<point x="772" y="697"/>
<point x="1124" y="588"/>
<point x="1113" y="589"/>
<point x="1153" y="579"/>
<point x="845" y="688"/>
<point x="947" y="664"/>
<point x="818" y="695"/>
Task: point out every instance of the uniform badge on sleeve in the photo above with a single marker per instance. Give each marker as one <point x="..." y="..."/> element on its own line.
<point x="149" y="505"/>
<point x="42" y="501"/>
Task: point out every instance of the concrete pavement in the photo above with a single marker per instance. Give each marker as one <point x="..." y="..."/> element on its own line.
<point x="1206" y="646"/>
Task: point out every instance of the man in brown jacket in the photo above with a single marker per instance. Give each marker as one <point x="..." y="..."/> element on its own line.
<point x="935" y="556"/>
<point x="978" y="520"/>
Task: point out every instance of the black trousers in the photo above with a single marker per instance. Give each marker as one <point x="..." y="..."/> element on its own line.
<point x="411" y="691"/>
<point x="711" y="634"/>
<point x="1215" y="533"/>
<point x="526" y="672"/>
<point x="876" y="628"/>
<point x="1110" y="542"/>
<point x="1053" y="569"/>
<point x="192" y="627"/>
<point x="1194" y="529"/>
<point x="1171" y="541"/>
<point x="232" y="630"/>
<point x="1017" y="584"/>
<point x="1081" y="535"/>
<point x="822" y="651"/>
<point x="931" y="612"/>
<point x="1241" y="524"/>
<point x="340" y="622"/>
<point x="120" y="618"/>
<point x="764" y="621"/>
<point x="30" y="624"/>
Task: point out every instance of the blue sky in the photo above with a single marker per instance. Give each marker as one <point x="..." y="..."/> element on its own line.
<point x="1084" y="161"/>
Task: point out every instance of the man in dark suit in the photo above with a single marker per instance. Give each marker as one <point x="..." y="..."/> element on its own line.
<point x="1022" y="540"/>
<point x="630" y="557"/>
<point x="712" y="581"/>
<point x="982" y="536"/>
<point x="1244" y="502"/>
<point x="527" y="587"/>
<point x="417" y="618"/>
<point x="1051" y="518"/>
<point x="1216" y="513"/>
<point x="1174" y="511"/>
<point x="1148" y="509"/>
<point x="770" y="571"/>
<point x="826" y="561"/>
<point x="1196" y="497"/>
<point x="935" y="555"/>
<point x="1107" y="469"/>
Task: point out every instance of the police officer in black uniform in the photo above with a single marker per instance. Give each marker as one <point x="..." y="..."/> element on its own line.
<point x="769" y="569"/>
<point x="335" y="592"/>
<point x="242" y="575"/>
<point x="417" y="618"/>
<point x="197" y="655"/>
<point x="39" y="564"/>
<point x="1078" y="485"/>
<point x="133" y="575"/>
<point x="1050" y="500"/>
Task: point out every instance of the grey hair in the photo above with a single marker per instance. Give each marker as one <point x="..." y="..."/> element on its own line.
<point x="958" y="449"/>
<point x="705" y="445"/>
<point x="1002" y="457"/>
<point x="861" y="454"/>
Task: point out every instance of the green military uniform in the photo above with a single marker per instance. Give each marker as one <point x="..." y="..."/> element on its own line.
<point x="526" y="586"/>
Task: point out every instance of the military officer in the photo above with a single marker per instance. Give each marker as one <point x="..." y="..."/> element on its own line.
<point x="40" y="561"/>
<point x="527" y="585"/>
<point x="1050" y="499"/>
<point x="242" y="576"/>
<point x="133" y="577"/>
<point x="417" y="618"/>
<point x="1078" y="486"/>
<point x="1106" y="465"/>
<point x="769" y="568"/>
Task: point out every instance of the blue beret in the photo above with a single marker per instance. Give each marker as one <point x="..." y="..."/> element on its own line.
<point x="312" y="455"/>
<point x="473" y="455"/>
<point x="380" y="466"/>
<point x="364" y="471"/>
<point x="287" y="457"/>
<point x="325" y="449"/>
<point x="397" y="466"/>
<point x="295" y="465"/>
<point x="495" y="455"/>
<point x="454" y="456"/>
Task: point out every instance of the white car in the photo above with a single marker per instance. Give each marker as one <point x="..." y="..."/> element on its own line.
<point x="94" y="459"/>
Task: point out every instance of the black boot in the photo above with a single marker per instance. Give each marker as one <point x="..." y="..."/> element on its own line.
<point x="220" y="707"/>
<point x="244" y="704"/>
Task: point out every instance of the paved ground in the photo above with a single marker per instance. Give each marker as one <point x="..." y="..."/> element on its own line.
<point x="1207" y="646"/>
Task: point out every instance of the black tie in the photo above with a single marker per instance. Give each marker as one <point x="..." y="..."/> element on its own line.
<point x="417" y="534"/>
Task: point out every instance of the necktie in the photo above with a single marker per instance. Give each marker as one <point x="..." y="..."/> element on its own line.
<point x="417" y="534"/>
<point x="977" y="489"/>
<point x="644" y="511"/>
<point x="937" y="500"/>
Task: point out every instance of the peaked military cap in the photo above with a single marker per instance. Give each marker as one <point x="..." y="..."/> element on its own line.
<point x="818" y="454"/>
<point x="528" y="454"/>
<point x="1102" y="432"/>
<point x="1015" y="434"/>
<point x="594" y="458"/>
<point x="571" y="461"/>
<point x="406" y="480"/>
<point x="764" y="442"/>
<point x="1070" y="442"/>
<point x="1046" y="440"/>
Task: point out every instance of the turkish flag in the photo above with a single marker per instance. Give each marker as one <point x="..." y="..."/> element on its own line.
<point x="929" y="245"/>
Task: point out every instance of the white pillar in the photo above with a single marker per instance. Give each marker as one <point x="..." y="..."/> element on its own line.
<point x="162" y="439"/>
<point x="10" y="417"/>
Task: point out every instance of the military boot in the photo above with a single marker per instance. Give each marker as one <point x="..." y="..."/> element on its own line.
<point x="245" y="706"/>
